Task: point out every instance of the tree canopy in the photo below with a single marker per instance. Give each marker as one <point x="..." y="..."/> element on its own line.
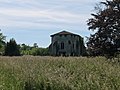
<point x="33" y="50"/>
<point x="11" y="48"/>
<point x="106" y="23"/>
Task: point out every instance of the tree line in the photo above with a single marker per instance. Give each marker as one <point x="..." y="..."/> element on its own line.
<point x="11" y="48"/>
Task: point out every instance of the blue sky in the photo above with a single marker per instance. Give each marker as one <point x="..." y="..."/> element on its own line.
<point x="33" y="21"/>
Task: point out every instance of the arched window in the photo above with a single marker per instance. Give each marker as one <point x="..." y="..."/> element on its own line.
<point x="62" y="45"/>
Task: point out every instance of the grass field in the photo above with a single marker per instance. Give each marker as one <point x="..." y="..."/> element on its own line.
<point x="58" y="73"/>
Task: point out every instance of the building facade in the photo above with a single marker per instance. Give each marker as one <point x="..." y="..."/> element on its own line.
<point x="66" y="44"/>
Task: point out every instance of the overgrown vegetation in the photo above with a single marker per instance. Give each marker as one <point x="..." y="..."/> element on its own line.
<point x="58" y="73"/>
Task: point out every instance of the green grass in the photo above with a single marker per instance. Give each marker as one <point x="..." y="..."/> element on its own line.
<point x="58" y="73"/>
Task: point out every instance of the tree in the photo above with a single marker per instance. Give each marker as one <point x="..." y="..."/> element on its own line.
<point x="106" y="22"/>
<point x="11" y="48"/>
<point x="2" y="42"/>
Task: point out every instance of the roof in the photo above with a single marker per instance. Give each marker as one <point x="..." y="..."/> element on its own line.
<point x="64" y="33"/>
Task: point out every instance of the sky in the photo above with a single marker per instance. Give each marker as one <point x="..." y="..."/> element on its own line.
<point x="33" y="21"/>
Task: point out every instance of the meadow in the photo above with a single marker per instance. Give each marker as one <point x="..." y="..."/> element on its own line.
<point x="58" y="73"/>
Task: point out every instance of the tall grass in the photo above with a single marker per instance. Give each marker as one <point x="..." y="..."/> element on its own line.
<point x="58" y="73"/>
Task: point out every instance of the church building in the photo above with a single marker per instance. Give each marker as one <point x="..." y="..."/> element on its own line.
<point x="66" y="44"/>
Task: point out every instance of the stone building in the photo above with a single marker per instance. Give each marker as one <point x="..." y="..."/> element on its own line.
<point x="66" y="44"/>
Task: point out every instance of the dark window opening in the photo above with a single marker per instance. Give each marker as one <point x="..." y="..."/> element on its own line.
<point x="73" y="46"/>
<point x="77" y="44"/>
<point x="60" y="35"/>
<point x="62" y="45"/>
<point x="69" y="42"/>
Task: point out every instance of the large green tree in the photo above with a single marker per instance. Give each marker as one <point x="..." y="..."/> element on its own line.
<point x="106" y="24"/>
<point x="11" y="48"/>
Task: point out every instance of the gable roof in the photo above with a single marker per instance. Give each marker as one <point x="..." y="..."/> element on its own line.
<point x="64" y="33"/>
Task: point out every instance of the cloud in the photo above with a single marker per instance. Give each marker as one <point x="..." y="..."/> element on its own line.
<point x="22" y="16"/>
<point x="34" y="13"/>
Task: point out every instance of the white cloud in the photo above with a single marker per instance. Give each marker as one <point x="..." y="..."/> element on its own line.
<point x="14" y="16"/>
<point x="34" y="13"/>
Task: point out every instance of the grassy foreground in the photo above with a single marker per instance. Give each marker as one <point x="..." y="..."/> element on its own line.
<point x="58" y="73"/>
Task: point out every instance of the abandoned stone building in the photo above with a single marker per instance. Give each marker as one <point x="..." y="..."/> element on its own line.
<point x="66" y="44"/>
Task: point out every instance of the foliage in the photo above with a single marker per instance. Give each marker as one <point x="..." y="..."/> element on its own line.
<point x="11" y="48"/>
<point x="33" y="50"/>
<point x="40" y="51"/>
<point x="25" y="49"/>
<point x="106" y="22"/>
<point x="2" y="43"/>
<point x="58" y="73"/>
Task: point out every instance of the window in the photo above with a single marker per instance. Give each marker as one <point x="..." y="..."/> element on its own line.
<point x="69" y="42"/>
<point x="65" y="35"/>
<point x="77" y="44"/>
<point x="73" y="46"/>
<point x="60" y="35"/>
<point x="62" y="45"/>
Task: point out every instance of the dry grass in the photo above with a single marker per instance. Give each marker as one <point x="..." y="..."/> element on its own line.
<point x="58" y="73"/>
